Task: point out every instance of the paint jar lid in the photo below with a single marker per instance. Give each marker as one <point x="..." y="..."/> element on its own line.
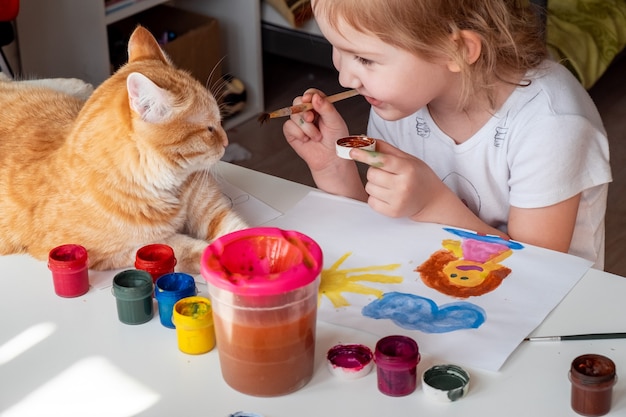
<point x="350" y="361"/>
<point x="345" y="144"/>
<point x="262" y="261"/>
<point x="445" y="383"/>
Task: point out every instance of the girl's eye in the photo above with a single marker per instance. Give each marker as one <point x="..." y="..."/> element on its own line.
<point x="363" y="61"/>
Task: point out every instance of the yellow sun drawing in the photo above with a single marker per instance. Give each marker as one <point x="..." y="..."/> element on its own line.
<point x="336" y="281"/>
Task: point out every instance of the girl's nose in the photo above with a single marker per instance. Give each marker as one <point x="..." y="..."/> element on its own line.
<point x="348" y="79"/>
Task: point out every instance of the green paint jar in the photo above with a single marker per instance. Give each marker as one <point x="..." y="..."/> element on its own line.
<point x="133" y="290"/>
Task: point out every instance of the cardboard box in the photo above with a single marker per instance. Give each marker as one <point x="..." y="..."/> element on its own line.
<point x="191" y="40"/>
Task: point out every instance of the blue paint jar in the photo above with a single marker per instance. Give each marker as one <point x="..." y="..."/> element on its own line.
<point x="170" y="288"/>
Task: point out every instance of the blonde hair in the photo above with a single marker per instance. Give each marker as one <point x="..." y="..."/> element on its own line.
<point x="510" y="32"/>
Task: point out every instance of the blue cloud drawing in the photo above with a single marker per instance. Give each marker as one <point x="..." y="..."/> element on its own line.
<point x="413" y="312"/>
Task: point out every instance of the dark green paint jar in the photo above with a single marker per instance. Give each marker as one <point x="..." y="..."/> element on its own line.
<point x="133" y="291"/>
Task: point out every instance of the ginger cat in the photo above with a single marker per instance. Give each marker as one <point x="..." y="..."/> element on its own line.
<point x="128" y="167"/>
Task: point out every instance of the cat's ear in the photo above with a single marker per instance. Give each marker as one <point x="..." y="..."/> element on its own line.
<point x="142" y="45"/>
<point x="152" y="103"/>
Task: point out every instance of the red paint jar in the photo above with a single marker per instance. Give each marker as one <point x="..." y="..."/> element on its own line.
<point x="593" y="377"/>
<point x="396" y="360"/>
<point x="156" y="259"/>
<point x="69" y="267"/>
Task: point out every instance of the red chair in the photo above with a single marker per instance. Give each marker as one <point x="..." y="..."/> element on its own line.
<point x="8" y="12"/>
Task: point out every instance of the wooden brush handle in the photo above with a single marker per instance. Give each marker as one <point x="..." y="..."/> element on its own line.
<point x="342" y="96"/>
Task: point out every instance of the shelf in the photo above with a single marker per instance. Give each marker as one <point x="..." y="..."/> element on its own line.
<point x="69" y="39"/>
<point x="131" y="9"/>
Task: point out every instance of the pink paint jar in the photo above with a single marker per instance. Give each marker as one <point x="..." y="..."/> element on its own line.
<point x="69" y="267"/>
<point x="263" y="284"/>
<point x="396" y="359"/>
<point x="157" y="259"/>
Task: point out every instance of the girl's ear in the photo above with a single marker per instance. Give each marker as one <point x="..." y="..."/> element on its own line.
<point x="148" y="100"/>
<point x="469" y="44"/>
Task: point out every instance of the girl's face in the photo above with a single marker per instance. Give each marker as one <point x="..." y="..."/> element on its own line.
<point x="395" y="82"/>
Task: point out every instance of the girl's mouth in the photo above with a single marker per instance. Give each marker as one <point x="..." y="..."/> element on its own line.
<point x="373" y="101"/>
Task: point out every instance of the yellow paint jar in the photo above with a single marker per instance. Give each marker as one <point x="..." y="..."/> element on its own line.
<point x="193" y="319"/>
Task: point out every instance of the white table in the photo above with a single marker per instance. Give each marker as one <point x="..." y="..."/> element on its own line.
<point x="65" y="357"/>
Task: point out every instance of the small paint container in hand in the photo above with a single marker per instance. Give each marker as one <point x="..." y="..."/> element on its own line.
<point x="350" y="361"/>
<point x="193" y="319"/>
<point x="133" y="290"/>
<point x="69" y="267"/>
<point x="445" y="383"/>
<point x="157" y="259"/>
<point x="344" y="145"/>
<point x="396" y="360"/>
<point x="170" y="288"/>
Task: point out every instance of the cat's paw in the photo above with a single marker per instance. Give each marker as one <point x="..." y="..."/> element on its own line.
<point x="74" y="87"/>
<point x="71" y="86"/>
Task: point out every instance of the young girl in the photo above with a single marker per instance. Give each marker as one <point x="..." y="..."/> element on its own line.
<point x="476" y="128"/>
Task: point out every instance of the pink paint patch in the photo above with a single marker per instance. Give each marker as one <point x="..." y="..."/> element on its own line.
<point x="480" y="251"/>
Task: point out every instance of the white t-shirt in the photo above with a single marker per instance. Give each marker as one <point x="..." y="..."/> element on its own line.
<point x="546" y="144"/>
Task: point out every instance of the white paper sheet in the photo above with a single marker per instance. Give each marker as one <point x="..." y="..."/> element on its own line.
<point x="479" y="331"/>
<point x="252" y="210"/>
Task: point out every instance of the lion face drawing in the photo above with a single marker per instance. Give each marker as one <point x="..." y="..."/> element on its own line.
<point x="468" y="267"/>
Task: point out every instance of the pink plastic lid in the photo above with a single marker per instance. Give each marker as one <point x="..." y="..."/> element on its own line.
<point x="261" y="261"/>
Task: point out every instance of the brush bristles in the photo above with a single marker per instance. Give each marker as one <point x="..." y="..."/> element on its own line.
<point x="263" y="118"/>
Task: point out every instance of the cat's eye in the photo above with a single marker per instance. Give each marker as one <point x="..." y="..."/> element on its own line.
<point x="211" y="129"/>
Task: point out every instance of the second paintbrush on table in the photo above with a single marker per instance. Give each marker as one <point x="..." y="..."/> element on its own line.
<point x="299" y="108"/>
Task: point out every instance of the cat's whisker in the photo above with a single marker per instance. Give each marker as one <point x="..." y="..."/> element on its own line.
<point x="208" y="84"/>
<point x="134" y="182"/>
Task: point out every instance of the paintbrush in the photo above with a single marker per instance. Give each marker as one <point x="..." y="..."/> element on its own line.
<point x="590" y="336"/>
<point x="299" y="108"/>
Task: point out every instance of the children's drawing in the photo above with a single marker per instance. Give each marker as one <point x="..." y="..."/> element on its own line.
<point x="413" y="312"/>
<point x="370" y="283"/>
<point x="468" y="267"/>
<point x="405" y="310"/>
<point x="335" y="281"/>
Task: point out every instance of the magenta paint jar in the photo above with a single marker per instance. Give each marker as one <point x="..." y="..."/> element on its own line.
<point x="69" y="267"/>
<point x="396" y="359"/>
<point x="263" y="283"/>
<point x="592" y="377"/>
<point x="157" y="259"/>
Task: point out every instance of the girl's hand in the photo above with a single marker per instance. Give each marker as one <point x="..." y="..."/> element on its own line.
<point x="399" y="184"/>
<point x="312" y="134"/>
